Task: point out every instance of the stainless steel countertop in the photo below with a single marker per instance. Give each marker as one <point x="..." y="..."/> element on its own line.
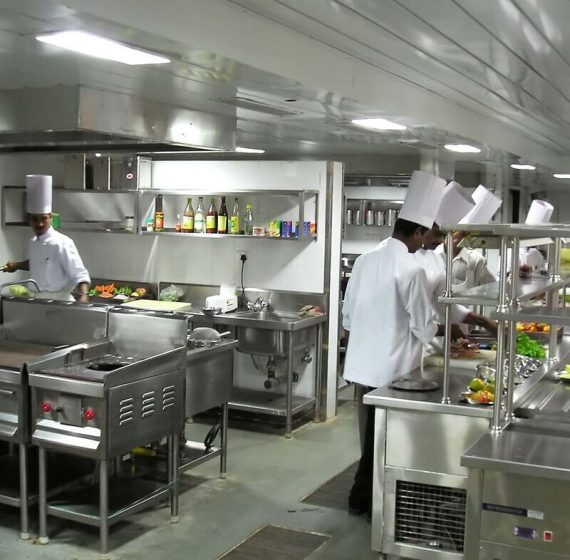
<point x="431" y="401"/>
<point x="523" y="452"/>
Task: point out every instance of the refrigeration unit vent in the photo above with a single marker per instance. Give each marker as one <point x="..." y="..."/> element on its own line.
<point x="430" y="516"/>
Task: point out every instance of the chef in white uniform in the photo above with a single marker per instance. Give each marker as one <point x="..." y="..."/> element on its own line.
<point x="388" y="313"/>
<point x="455" y="204"/>
<point x="470" y="268"/>
<point x="530" y="258"/>
<point x="53" y="260"/>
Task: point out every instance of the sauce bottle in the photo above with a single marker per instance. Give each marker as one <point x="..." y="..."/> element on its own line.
<point x="248" y="220"/>
<point x="188" y="218"/>
<point x="212" y="218"/>
<point x="178" y="226"/>
<point x="199" y="217"/>
<point x="234" y="220"/>
<point x="158" y="214"/>
<point x="223" y="217"/>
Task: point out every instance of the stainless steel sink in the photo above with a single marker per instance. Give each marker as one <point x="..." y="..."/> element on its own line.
<point x="273" y="316"/>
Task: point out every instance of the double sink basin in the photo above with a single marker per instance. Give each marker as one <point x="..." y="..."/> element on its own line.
<point x="266" y="332"/>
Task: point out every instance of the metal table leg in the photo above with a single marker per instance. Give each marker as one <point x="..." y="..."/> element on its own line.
<point x="172" y="469"/>
<point x="24" y="498"/>
<point x="318" y="373"/>
<point x="289" y="396"/>
<point x="42" y="495"/>
<point x="103" y="507"/>
<point x="224" y="441"/>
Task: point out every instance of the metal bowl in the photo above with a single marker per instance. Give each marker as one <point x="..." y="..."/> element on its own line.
<point x="211" y="311"/>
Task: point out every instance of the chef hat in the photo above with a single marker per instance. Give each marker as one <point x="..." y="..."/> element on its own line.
<point x="539" y="213"/>
<point x="423" y="199"/>
<point x="455" y="203"/>
<point x="486" y="204"/>
<point x="38" y="190"/>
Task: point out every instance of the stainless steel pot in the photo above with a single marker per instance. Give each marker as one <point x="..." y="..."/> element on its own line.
<point x="392" y="216"/>
<point x="370" y="217"/>
<point x="205" y="337"/>
<point x="349" y="216"/>
<point x="380" y="218"/>
<point x="358" y="218"/>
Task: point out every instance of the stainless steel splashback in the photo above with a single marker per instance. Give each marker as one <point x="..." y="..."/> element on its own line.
<point x="52" y="323"/>
<point x="83" y="118"/>
<point x="137" y="333"/>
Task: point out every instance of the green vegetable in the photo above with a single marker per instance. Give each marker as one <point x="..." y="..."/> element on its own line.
<point x="526" y="346"/>
<point x="92" y="293"/>
<point x="20" y="291"/>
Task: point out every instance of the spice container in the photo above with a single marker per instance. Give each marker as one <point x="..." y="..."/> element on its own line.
<point x="129" y="223"/>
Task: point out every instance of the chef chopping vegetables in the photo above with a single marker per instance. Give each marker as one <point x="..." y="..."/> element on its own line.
<point x="53" y="260"/>
<point x="389" y="314"/>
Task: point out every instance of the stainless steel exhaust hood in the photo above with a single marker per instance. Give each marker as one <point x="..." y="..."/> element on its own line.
<point x="80" y="118"/>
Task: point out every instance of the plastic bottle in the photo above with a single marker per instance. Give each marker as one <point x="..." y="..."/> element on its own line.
<point x="248" y="220"/>
<point x="188" y="218"/>
<point x="234" y="219"/>
<point x="199" y="217"/>
<point x="212" y="218"/>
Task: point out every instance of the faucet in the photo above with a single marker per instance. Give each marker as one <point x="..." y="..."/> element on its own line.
<point x="16" y="282"/>
<point x="258" y="305"/>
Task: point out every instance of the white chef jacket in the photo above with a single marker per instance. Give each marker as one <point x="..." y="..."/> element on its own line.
<point x="434" y="268"/>
<point x="388" y="311"/>
<point x="55" y="263"/>
<point x="469" y="268"/>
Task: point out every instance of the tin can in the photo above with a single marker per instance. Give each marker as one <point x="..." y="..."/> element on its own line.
<point x="286" y="228"/>
<point x="294" y="229"/>
<point x="258" y="231"/>
<point x="275" y="228"/>
<point x="306" y="228"/>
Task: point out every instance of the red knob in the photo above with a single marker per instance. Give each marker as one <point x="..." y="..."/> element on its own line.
<point x="46" y="407"/>
<point x="89" y="414"/>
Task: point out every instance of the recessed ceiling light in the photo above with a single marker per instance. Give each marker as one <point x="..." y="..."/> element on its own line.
<point x="378" y="124"/>
<point x="100" y="47"/>
<point x="249" y="150"/>
<point x="462" y="148"/>
<point x="561" y="175"/>
<point x="526" y="166"/>
<point x="98" y="154"/>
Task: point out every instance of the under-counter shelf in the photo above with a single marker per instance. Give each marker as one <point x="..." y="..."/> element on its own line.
<point x="488" y="294"/>
<point x="536" y="315"/>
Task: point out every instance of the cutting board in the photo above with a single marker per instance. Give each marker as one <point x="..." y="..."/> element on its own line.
<point x="154" y="305"/>
<point x="464" y="363"/>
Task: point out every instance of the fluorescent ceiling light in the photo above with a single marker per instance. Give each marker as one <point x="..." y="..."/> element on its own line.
<point x="523" y="166"/>
<point x="100" y="47"/>
<point x="462" y="148"/>
<point x="249" y="150"/>
<point x="378" y="124"/>
<point x="561" y="175"/>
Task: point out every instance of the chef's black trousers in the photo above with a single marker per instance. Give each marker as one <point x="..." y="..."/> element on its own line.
<point x="360" y="499"/>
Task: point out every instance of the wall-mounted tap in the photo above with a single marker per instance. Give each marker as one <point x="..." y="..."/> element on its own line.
<point x="17" y="282"/>
<point x="259" y="304"/>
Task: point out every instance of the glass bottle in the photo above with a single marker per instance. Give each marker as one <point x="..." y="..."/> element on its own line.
<point x="158" y="214"/>
<point x="188" y="218"/>
<point x="234" y="219"/>
<point x="178" y="226"/>
<point x="212" y="218"/>
<point x="199" y="217"/>
<point x="223" y="217"/>
<point x="248" y="220"/>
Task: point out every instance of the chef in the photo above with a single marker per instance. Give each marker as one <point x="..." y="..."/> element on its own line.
<point x="470" y="267"/>
<point x="455" y="204"/>
<point x="53" y="260"/>
<point x="388" y="313"/>
<point x="530" y="258"/>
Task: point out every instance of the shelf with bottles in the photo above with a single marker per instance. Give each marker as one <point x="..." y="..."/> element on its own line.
<point x="238" y="213"/>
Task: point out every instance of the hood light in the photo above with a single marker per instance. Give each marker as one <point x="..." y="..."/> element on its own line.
<point x="249" y="150"/>
<point x="101" y="47"/>
<point x="561" y="175"/>
<point x="524" y="166"/>
<point x="378" y="124"/>
<point x="463" y="148"/>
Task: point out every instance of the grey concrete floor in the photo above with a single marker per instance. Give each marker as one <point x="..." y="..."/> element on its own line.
<point x="267" y="476"/>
